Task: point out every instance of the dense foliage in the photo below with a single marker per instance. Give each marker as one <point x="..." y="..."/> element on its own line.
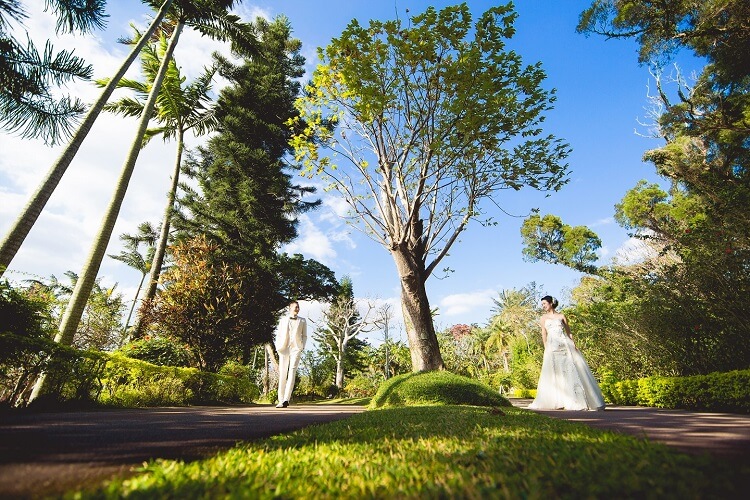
<point x="679" y="306"/>
<point x="245" y="207"/>
<point x="432" y="116"/>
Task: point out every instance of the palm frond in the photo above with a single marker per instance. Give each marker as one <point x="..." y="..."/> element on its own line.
<point x="13" y="9"/>
<point x="74" y="15"/>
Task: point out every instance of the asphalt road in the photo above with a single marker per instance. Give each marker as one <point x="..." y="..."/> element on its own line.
<point x="47" y="454"/>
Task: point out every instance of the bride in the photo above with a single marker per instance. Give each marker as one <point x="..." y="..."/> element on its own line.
<point x="566" y="381"/>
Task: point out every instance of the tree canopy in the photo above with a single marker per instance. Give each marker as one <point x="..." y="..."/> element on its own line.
<point x="423" y="121"/>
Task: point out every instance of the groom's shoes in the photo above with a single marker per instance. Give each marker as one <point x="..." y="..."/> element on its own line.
<point x="283" y="405"/>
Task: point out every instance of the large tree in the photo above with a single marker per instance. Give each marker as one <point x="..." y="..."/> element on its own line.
<point x="210" y="17"/>
<point x="342" y="324"/>
<point x="432" y="117"/>
<point x="677" y="307"/>
<point x="245" y="201"/>
<point x="179" y="108"/>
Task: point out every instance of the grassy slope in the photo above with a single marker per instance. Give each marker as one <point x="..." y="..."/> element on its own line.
<point x="442" y="451"/>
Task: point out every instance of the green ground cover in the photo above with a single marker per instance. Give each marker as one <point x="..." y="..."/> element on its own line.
<point x="437" y="450"/>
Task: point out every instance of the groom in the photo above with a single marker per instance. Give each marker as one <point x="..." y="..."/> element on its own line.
<point x="291" y="336"/>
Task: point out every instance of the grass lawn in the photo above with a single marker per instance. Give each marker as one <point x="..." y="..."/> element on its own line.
<point x="441" y="451"/>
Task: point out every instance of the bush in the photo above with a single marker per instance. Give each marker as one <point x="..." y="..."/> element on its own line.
<point x="159" y="350"/>
<point x="92" y="377"/>
<point x="361" y="386"/>
<point x="437" y="387"/>
<point x="729" y="391"/>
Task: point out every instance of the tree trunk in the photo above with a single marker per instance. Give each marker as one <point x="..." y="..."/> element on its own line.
<point x="26" y="220"/>
<point x="420" y="330"/>
<point x="82" y="290"/>
<point x="87" y="278"/>
<point x="340" y="372"/>
<point x="161" y="246"/>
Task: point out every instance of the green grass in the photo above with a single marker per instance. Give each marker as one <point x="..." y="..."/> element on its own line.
<point x="437" y="387"/>
<point x="441" y="452"/>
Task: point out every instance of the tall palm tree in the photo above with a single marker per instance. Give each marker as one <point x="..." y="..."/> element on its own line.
<point x="147" y="235"/>
<point x="210" y="17"/>
<point x="177" y="110"/>
<point x="27" y="77"/>
<point x="28" y="217"/>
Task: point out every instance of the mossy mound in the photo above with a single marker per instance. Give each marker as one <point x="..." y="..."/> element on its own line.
<point x="435" y="387"/>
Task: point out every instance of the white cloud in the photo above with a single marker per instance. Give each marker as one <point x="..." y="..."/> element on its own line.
<point x="603" y="222"/>
<point x="312" y="242"/>
<point x="633" y="251"/>
<point x="459" y="304"/>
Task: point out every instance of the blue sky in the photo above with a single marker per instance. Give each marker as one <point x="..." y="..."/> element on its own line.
<point x="601" y="101"/>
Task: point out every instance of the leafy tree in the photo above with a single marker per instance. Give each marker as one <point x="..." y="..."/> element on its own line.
<point x="549" y="239"/>
<point x="177" y="110"/>
<point x="714" y="29"/>
<point x="28" y="78"/>
<point x="101" y="322"/>
<point x="24" y="311"/>
<point x="204" y="305"/>
<point x="432" y="118"/>
<point x="246" y="202"/>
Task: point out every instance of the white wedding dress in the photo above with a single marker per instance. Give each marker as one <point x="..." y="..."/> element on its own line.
<point x="566" y="381"/>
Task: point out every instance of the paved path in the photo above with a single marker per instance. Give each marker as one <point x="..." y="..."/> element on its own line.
<point x="50" y="453"/>
<point x="719" y="434"/>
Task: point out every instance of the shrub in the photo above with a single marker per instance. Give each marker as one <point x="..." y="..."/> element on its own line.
<point x="361" y="386"/>
<point x="437" y="387"/>
<point x="159" y="350"/>
<point x="728" y="391"/>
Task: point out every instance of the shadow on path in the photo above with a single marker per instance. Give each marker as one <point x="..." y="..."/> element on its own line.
<point x="50" y="453"/>
<point x="718" y="434"/>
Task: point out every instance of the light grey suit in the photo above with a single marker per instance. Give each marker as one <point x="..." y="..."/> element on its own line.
<point x="291" y="336"/>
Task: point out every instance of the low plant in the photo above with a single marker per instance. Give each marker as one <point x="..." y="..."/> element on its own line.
<point x="435" y="387"/>
<point x="729" y="391"/>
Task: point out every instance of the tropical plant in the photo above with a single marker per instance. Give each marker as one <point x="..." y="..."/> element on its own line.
<point x="178" y="109"/>
<point x="433" y="118"/>
<point x="28" y="78"/>
<point x="245" y="201"/>
<point x="211" y="18"/>
<point x="27" y="218"/>
<point x="131" y="256"/>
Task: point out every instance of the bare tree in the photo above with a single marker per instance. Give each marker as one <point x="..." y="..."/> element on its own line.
<point x="342" y="322"/>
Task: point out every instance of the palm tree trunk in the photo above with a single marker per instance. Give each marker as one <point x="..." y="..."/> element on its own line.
<point x="26" y="220"/>
<point x="161" y="247"/>
<point x="132" y="308"/>
<point x="85" y="283"/>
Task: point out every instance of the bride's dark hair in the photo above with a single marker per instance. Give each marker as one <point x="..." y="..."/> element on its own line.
<point x="550" y="299"/>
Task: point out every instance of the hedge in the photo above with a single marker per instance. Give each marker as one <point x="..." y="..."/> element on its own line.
<point x="98" y="378"/>
<point x="720" y="391"/>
